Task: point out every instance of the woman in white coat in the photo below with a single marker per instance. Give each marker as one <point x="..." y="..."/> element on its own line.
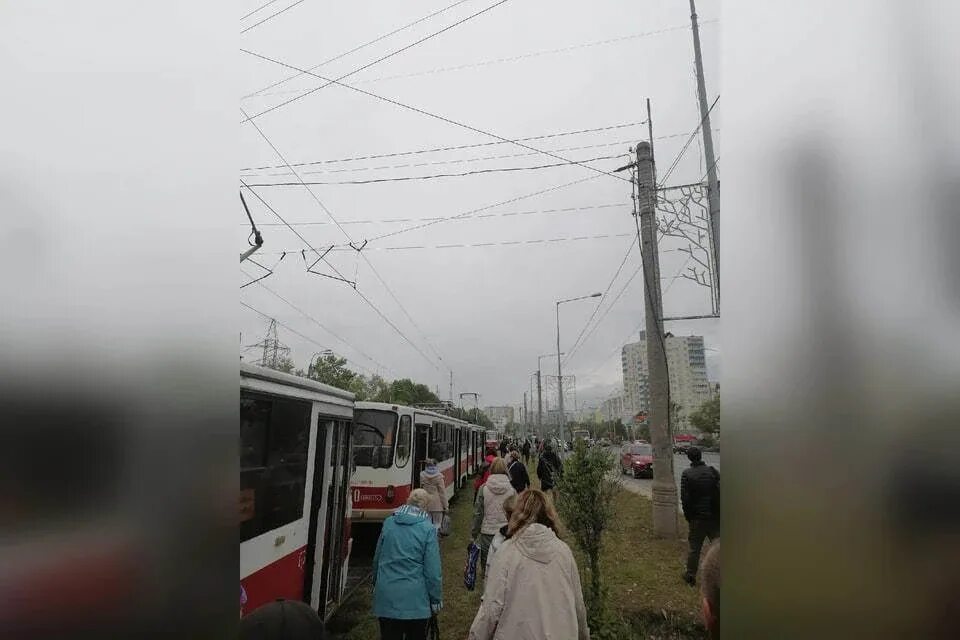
<point x="533" y="589"/>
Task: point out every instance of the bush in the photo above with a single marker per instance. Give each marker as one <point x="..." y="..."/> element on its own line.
<point x="585" y="500"/>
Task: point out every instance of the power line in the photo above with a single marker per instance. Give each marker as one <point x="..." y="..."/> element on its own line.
<point x="366" y="259"/>
<point x="478" y="217"/>
<point x="271" y="17"/>
<point x="576" y="343"/>
<point x="483" y="63"/>
<point x="437" y="176"/>
<point x="433" y="115"/>
<point x="473" y="245"/>
<point x="368" y="65"/>
<point x="263" y="6"/>
<point x="355" y="49"/>
<point x="676" y="160"/>
<point x="462" y="146"/>
<point x="414" y="165"/>
<point x="319" y="324"/>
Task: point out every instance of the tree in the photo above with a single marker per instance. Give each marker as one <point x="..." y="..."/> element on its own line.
<point x="406" y="391"/>
<point x="585" y="500"/>
<point x="332" y="370"/>
<point x="707" y="417"/>
<point x="284" y="364"/>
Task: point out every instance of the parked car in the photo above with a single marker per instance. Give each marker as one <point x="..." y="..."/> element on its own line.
<point x="637" y="458"/>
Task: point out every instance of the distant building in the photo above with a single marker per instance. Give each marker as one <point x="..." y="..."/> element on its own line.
<point x="612" y="409"/>
<point x="500" y="416"/>
<point x="686" y="364"/>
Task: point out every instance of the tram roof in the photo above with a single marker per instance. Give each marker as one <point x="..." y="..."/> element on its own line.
<point x="271" y="375"/>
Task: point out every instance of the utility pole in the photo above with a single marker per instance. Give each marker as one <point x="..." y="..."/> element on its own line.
<point x="664" y="485"/>
<point x="539" y="402"/>
<point x="713" y="186"/>
<point x="451" y="386"/>
<point x="525" y="409"/>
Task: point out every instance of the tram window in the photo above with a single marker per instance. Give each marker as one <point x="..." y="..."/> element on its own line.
<point x="403" y="441"/>
<point x="374" y="438"/>
<point x="274" y="435"/>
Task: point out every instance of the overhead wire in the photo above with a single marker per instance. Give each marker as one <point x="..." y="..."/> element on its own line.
<point x="462" y="146"/>
<point x="484" y="63"/>
<point x="369" y="64"/>
<point x="366" y="259"/>
<point x="271" y="17"/>
<point x="437" y="176"/>
<point x="693" y="135"/>
<point x="355" y="49"/>
<point x="263" y="6"/>
<point x="431" y="115"/>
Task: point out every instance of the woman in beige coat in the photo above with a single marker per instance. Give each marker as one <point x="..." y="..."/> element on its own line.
<point x="431" y="481"/>
<point x="533" y="589"/>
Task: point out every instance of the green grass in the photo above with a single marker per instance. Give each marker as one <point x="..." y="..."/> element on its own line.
<point x="646" y="593"/>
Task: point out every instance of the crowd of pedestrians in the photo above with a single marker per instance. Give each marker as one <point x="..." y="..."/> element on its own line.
<point x="531" y="584"/>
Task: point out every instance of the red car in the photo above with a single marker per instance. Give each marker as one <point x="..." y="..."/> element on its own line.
<point x="637" y="458"/>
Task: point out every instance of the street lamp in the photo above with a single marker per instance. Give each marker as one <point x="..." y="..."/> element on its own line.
<point x="559" y="371"/>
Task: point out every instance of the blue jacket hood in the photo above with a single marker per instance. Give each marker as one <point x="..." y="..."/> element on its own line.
<point x="409" y="514"/>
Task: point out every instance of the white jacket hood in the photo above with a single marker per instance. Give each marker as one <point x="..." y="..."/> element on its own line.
<point x="498" y="484"/>
<point x="537" y="542"/>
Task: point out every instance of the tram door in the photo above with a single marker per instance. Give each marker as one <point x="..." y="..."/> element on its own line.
<point x="458" y="448"/>
<point x="420" y="452"/>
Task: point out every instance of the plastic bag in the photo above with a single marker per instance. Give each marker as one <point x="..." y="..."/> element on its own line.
<point x="445" y="525"/>
<point x="470" y="568"/>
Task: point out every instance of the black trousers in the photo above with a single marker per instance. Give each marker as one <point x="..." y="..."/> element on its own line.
<point x="700" y="530"/>
<point x="394" y="629"/>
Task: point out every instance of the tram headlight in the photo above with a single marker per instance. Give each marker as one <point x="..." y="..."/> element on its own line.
<point x="391" y="493"/>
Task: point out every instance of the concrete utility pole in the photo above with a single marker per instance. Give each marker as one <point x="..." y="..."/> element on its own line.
<point x="713" y="186"/>
<point x="664" y="485"/>
<point x="524" y="409"/>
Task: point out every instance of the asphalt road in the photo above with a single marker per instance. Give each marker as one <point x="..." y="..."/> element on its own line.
<point x="644" y="486"/>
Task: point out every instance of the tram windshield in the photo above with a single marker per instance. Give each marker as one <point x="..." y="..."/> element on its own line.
<point x="374" y="436"/>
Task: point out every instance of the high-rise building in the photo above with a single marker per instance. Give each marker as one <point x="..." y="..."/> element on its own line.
<point x="687" y="367"/>
<point x="499" y="416"/>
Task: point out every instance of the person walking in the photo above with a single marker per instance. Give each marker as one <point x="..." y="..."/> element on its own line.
<point x="502" y="535"/>
<point x="533" y="588"/>
<point x="519" y="478"/>
<point x="407" y="583"/>
<point x="481" y="478"/>
<point x="525" y="449"/>
<point x="549" y="469"/>
<point x="503" y="448"/>
<point x="488" y="514"/>
<point x="431" y="481"/>
<point x="700" y="498"/>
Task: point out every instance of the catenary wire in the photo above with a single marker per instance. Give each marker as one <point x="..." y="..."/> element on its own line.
<point x="355" y="49"/>
<point x="484" y="63"/>
<point x="437" y="176"/>
<point x="462" y="146"/>
<point x="328" y="82"/>
<point x="271" y="17"/>
<point x="261" y="7"/>
<point x="693" y="135"/>
<point x="362" y="295"/>
<point x="431" y="115"/>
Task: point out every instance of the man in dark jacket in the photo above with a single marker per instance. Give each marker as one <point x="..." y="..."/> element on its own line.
<point x="519" y="478"/>
<point x="549" y="467"/>
<point x="526" y="451"/>
<point x="700" y="497"/>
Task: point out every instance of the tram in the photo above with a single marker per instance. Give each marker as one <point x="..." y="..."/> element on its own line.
<point x="391" y="443"/>
<point x="295" y="467"/>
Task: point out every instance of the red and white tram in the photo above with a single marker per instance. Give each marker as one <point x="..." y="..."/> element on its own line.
<point x="390" y="445"/>
<point x="295" y="440"/>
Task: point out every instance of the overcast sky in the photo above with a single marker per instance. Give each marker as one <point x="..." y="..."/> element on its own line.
<point x="487" y="311"/>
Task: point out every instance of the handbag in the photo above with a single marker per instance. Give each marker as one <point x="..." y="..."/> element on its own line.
<point x="445" y="525"/>
<point x="470" y="567"/>
<point x="433" y="628"/>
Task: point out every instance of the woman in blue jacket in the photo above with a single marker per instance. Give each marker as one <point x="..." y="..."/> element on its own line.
<point x="407" y="584"/>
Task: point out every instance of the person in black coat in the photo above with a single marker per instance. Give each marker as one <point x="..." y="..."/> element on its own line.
<point x="700" y="498"/>
<point x="526" y="451"/>
<point x="549" y="468"/>
<point x="519" y="478"/>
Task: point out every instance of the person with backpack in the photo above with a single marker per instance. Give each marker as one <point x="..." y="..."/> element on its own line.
<point x="517" y="471"/>
<point x="700" y="498"/>
<point x="549" y="469"/>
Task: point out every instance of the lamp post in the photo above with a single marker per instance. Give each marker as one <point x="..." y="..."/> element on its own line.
<point x="559" y="370"/>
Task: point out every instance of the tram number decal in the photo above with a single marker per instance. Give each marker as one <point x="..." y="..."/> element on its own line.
<point x="358" y="497"/>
